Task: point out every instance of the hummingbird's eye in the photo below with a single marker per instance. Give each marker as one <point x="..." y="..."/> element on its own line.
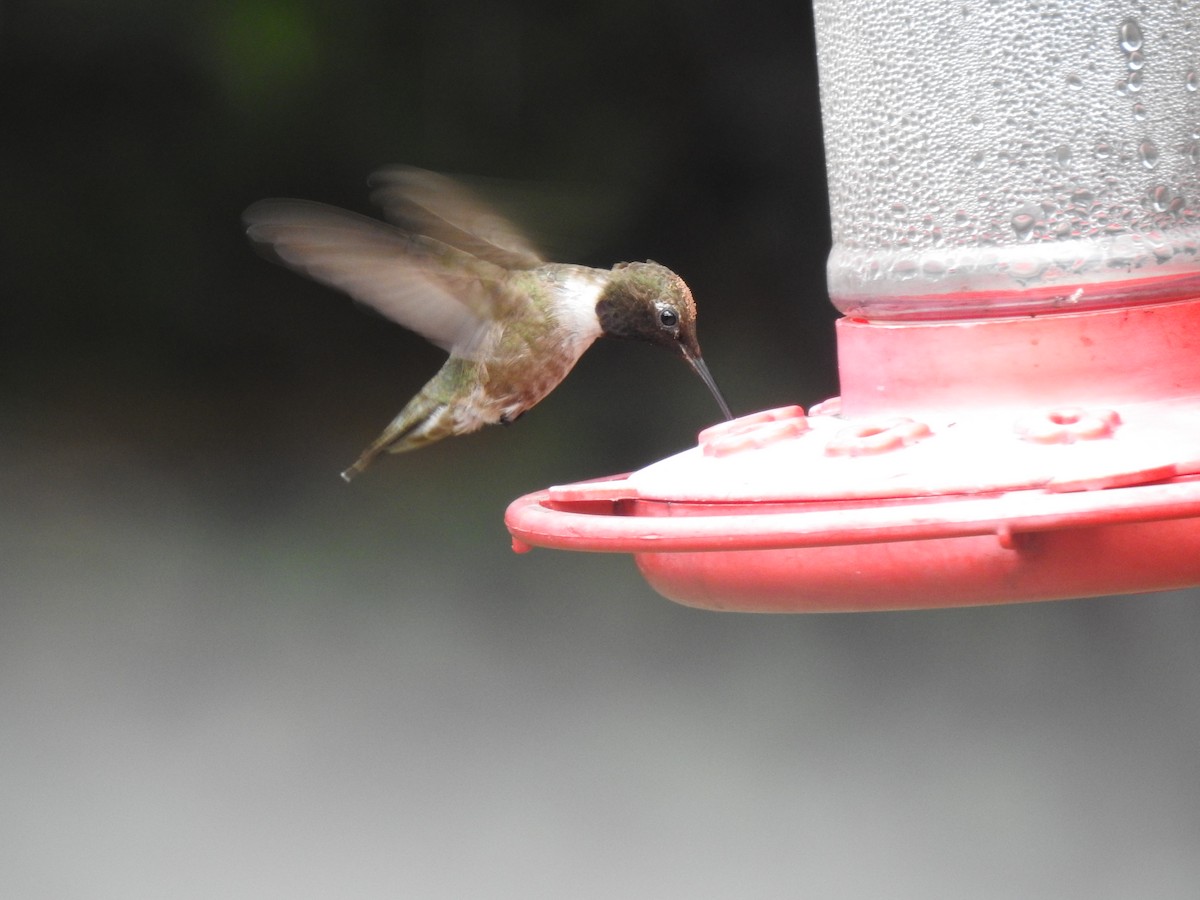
<point x="668" y="317"/>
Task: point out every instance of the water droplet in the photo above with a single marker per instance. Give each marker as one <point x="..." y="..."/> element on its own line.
<point x="977" y="158"/>
<point x="899" y="210"/>
<point x="1136" y="60"/>
<point x="976" y="120"/>
<point x="1148" y="154"/>
<point x="1161" y="198"/>
<point x="1191" y="152"/>
<point x="1074" y="82"/>
<point x="1104" y="150"/>
<point x="1062" y="156"/>
<point x="1191" y="81"/>
<point x="1131" y="35"/>
<point x="1022" y="225"/>
<point x="1139" y="112"/>
<point x="1133" y="83"/>
<point x="1082" y="197"/>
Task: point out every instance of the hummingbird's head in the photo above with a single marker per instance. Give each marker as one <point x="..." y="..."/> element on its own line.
<point x="648" y="302"/>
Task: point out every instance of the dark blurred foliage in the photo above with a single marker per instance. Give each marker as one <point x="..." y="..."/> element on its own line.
<point x="136" y="315"/>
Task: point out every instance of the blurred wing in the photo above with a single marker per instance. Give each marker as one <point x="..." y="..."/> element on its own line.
<point x="428" y="203"/>
<point x="446" y="296"/>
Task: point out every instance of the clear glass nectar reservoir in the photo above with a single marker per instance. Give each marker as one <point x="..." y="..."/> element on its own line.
<point x="992" y="158"/>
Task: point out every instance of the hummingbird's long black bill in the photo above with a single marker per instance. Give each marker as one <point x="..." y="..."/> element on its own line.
<point x="697" y="363"/>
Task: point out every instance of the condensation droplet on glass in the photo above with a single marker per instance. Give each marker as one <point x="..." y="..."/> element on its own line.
<point x="1022" y="225"/>
<point x="1136" y="60"/>
<point x="1104" y="150"/>
<point x="1062" y="156"/>
<point x="1133" y="83"/>
<point x="899" y="210"/>
<point x="1130" y="35"/>
<point x="1190" y="80"/>
<point x="1082" y="197"/>
<point x="1148" y="154"/>
<point x="1139" y="112"/>
<point x="1074" y="82"/>
<point x="977" y="158"/>
<point x="1161" y="198"/>
<point x="1191" y="152"/>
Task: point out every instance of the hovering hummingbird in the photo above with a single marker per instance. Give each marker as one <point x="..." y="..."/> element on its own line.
<point x="461" y="276"/>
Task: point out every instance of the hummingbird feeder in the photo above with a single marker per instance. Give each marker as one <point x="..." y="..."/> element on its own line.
<point x="1015" y="197"/>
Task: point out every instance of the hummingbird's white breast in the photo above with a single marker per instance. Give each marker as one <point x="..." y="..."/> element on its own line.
<point x="578" y="291"/>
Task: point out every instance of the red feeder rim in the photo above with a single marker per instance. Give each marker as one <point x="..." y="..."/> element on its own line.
<point x="1066" y="465"/>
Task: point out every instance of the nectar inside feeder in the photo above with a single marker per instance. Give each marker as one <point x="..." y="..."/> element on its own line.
<point x="1016" y="249"/>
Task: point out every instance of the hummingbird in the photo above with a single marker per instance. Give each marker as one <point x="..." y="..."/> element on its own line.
<point x="453" y="270"/>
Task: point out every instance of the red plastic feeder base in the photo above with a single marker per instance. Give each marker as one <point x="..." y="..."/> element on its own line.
<point x="970" y="462"/>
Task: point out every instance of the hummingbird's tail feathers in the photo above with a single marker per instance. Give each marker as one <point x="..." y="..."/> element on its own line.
<point x="392" y="439"/>
<point x="426" y="418"/>
<point x="442" y="293"/>
<point x="385" y="443"/>
<point x="349" y="474"/>
<point x="427" y="203"/>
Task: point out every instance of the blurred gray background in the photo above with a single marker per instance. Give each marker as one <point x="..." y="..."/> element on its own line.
<point x="224" y="673"/>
